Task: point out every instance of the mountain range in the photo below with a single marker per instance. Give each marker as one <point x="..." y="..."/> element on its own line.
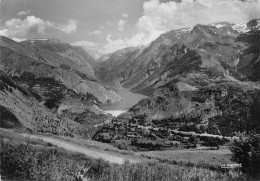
<point x="218" y="46"/>
<point x="203" y="79"/>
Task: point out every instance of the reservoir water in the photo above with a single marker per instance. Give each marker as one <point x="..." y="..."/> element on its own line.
<point x="129" y="100"/>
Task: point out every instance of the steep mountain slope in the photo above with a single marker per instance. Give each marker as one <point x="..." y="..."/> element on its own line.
<point x="26" y="109"/>
<point x="217" y="45"/>
<point x="103" y="58"/>
<point x="57" y="92"/>
<point x="205" y="50"/>
<point x="132" y="65"/>
<point x="20" y="109"/>
<point x="39" y="63"/>
<point x="223" y="108"/>
<point x="57" y="53"/>
<point x="86" y="56"/>
<point x="118" y="66"/>
<point x="145" y="70"/>
<point x="249" y="59"/>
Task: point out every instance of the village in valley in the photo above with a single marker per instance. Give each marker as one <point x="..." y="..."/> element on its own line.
<point x="136" y="134"/>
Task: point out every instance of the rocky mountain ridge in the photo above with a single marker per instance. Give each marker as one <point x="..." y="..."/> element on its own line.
<point x="53" y="59"/>
<point x="220" y="39"/>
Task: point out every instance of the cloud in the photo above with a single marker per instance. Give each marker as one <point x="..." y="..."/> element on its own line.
<point x="109" y="23"/>
<point x="90" y="47"/>
<point x="96" y="32"/>
<point x="24" y="13"/>
<point x="121" y="25"/>
<point x="125" y="15"/>
<point x="171" y="15"/>
<point x="161" y="16"/>
<point x="108" y="38"/>
<point x="86" y="44"/>
<point x="71" y="27"/>
<point x="114" y="45"/>
<point x="4" y="32"/>
<point x="20" y="28"/>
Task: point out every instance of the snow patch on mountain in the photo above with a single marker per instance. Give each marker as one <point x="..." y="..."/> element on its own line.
<point x="241" y="27"/>
<point x="246" y="27"/>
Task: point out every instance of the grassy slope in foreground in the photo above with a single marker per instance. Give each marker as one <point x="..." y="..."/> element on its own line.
<point x="33" y="159"/>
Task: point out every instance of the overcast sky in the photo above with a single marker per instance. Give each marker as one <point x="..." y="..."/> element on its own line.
<point x="109" y="25"/>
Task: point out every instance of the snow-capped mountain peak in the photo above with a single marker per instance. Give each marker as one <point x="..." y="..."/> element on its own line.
<point x="246" y="27"/>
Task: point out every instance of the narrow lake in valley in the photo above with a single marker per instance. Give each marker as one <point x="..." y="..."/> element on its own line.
<point x="130" y="99"/>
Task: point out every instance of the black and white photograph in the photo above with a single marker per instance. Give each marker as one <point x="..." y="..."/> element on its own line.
<point x="129" y="90"/>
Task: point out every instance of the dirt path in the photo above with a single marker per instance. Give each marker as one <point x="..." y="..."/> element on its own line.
<point x="81" y="149"/>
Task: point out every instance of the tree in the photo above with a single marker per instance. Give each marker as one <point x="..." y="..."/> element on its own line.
<point x="247" y="153"/>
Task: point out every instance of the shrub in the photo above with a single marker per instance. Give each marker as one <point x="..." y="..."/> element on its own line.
<point x="247" y="153"/>
<point x="36" y="163"/>
<point x="121" y="144"/>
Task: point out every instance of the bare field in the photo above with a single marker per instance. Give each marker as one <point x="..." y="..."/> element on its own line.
<point x="209" y="157"/>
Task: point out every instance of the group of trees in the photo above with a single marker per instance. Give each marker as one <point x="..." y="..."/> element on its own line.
<point x="247" y="152"/>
